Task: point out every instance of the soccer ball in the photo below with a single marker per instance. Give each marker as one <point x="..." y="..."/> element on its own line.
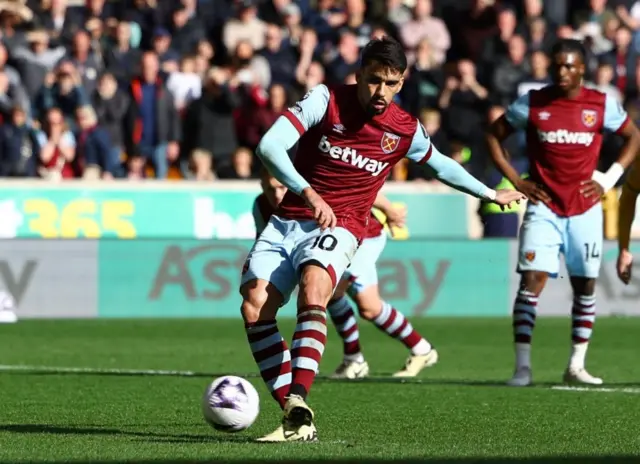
<point x="230" y="404"/>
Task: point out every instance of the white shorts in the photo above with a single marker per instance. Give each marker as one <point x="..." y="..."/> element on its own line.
<point x="544" y="235"/>
<point x="285" y="245"/>
<point x="362" y="272"/>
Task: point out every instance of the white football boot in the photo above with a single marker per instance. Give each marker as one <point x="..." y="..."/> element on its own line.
<point x="351" y="370"/>
<point x="415" y="363"/>
<point x="575" y="375"/>
<point x="522" y="377"/>
<point x="297" y="424"/>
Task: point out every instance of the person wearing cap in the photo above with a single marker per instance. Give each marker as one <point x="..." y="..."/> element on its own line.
<point x="246" y="26"/>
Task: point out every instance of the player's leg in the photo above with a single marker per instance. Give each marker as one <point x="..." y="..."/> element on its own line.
<point x="583" y="258"/>
<point x="267" y="281"/>
<point x="7" y="308"/>
<point x="320" y="258"/>
<point x="389" y="320"/>
<point x="539" y="254"/>
<point x="353" y="365"/>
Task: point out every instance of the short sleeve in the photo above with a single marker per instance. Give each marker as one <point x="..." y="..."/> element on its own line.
<point x="615" y="117"/>
<point x="309" y="111"/>
<point x="420" y="149"/>
<point x="517" y="113"/>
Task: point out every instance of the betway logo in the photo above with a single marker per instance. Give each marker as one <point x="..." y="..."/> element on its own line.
<point x="564" y="136"/>
<point x="351" y="156"/>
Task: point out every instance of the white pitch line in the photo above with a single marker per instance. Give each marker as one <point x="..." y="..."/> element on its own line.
<point x="93" y="370"/>
<point x="597" y="389"/>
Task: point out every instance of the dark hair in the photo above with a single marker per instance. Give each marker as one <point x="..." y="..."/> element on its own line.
<point x="569" y="46"/>
<point x="385" y="51"/>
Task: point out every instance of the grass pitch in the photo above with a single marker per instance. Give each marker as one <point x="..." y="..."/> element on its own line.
<point x="456" y="412"/>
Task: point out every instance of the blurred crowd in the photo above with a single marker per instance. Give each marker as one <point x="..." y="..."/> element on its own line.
<point x="185" y="89"/>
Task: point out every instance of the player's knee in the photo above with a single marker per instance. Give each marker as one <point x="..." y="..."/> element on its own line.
<point x="316" y="286"/>
<point x="369" y="303"/>
<point x="533" y="281"/>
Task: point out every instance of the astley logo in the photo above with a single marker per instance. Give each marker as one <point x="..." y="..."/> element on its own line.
<point x="350" y="156"/>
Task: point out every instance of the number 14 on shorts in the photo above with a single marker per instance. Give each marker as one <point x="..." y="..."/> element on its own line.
<point x="591" y="251"/>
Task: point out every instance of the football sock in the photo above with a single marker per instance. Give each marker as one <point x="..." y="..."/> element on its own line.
<point x="393" y="323"/>
<point x="583" y="315"/>
<point x="524" y="320"/>
<point x="346" y="324"/>
<point x="309" y="339"/>
<point x="272" y="356"/>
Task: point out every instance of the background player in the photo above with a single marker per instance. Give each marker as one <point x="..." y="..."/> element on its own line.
<point x="349" y="140"/>
<point x="626" y="215"/>
<point x="361" y="282"/>
<point x="564" y="124"/>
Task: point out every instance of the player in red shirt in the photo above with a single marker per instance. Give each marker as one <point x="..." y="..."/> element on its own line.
<point x="564" y="123"/>
<point x="360" y="281"/>
<point x="348" y="141"/>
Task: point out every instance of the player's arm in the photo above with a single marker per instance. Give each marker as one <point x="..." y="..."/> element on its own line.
<point x="285" y="133"/>
<point x="516" y="117"/>
<point x="282" y="136"/>
<point x="395" y="215"/>
<point x="617" y="121"/>
<point x="451" y="173"/>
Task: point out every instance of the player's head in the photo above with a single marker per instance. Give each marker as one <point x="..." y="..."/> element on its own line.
<point x="381" y="72"/>
<point x="272" y="188"/>
<point x="567" y="64"/>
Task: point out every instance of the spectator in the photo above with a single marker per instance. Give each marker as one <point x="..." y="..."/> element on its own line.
<point x="250" y="69"/>
<point x="397" y="13"/>
<point x="11" y="95"/>
<point x="539" y="76"/>
<point x="166" y="54"/>
<point x="87" y="65"/>
<point x="356" y="22"/>
<point x="121" y="59"/>
<point x="209" y="122"/>
<point x="246" y="27"/>
<point x="241" y="167"/>
<point x="347" y="59"/>
<point x="422" y="88"/>
<point x="431" y="120"/>
<point x="111" y="106"/>
<point x="62" y="90"/>
<point x="57" y="148"/>
<point x="510" y="72"/>
<point x="60" y="22"/>
<point x="622" y="58"/>
<point x="425" y="26"/>
<point x="35" y="61"/>
<point x="153" y="125"/>
<point x="604" y="82"/>
<point x="257" y="119"/>
<point x="19" y="148"/>
<point x="95" y="156"/>
<point x="185" y="84"/>
<point x="281" y="58"/>
<point x="186" y="31"/>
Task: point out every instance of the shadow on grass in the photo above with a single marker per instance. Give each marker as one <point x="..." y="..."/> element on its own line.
<point x="248" y="441"/>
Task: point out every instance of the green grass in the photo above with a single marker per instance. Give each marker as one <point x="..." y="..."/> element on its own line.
<point x="456" y="412"/>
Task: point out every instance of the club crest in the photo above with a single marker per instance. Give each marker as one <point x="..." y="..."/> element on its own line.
<point x="530" y="255"/>
<point x="389" y="142"/>
<point x="589" y="118"/>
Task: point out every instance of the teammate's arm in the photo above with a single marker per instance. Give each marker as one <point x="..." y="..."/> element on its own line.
<point x="516" y="117"/>
<point x="451" y="173"/>
<point x="282" y="136"/>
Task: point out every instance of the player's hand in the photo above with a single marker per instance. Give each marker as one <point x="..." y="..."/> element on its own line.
<point x="322" y="212"/>
<point x="396" y="217"/>
<point x="624" y="266"/>
<point x="505" y="197"/>
<point x="591" y="189"/>
<point x="534" y="192"/>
